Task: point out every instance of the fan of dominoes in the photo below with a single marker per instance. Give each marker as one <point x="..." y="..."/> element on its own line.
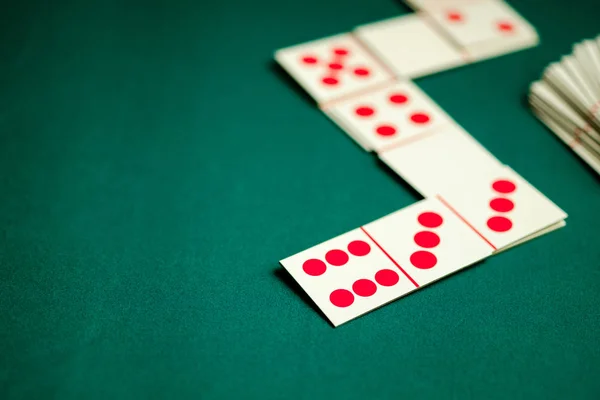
<point x="567" y="100"/>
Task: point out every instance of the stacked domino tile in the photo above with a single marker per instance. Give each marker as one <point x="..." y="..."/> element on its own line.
<point x="567" y="100"/>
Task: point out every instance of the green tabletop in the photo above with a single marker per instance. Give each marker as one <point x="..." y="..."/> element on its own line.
<point x="156" y="165"/>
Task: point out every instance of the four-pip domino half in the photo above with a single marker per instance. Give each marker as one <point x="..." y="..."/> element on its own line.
<point x="474" y="206"/>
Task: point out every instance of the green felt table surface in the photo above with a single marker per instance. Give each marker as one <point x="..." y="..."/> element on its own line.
<point x="155" y="166"/>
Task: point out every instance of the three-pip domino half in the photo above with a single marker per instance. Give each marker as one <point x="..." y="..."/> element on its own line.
<point x="474" y="205"/>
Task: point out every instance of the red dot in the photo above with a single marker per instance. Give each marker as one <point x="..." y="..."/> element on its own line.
<point x="505" y="26"/>
<point x="341" y="298"/>
<point x="365" y="111"/>
<point x="427" y="239"/>
<point x="501" y="205"/>
<point x="336" y="257"/>
<point x="359" y="248"/>
<point x="386" y="130"/>
<point x="336" y="66"/>
<point x="309" y="60"/>
<point x="455" y="16"/>
<point x="499" y="224"/>
<point x="398" y="98"/>
<point x="330" y="81"/>
<point x="423" y="259"/>
<point x="340" y="51"/>
<point x="503" y="186"/>
<point x="419" y="118"/>
<point x="314" y="267"/>
<point x="430" y="219"/>
<point x="387" y="277"/>
<point x="364" y="287"/>
<point x="361" y="72"/>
